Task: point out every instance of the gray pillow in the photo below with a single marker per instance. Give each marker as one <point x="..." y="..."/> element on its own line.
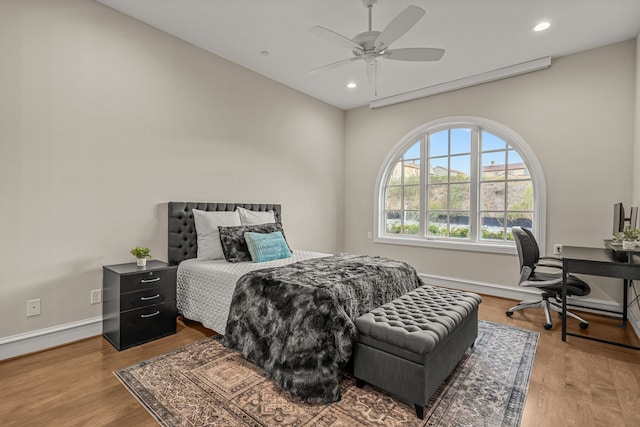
<point x="234" y="245"/>
<point x="207" y="224"/>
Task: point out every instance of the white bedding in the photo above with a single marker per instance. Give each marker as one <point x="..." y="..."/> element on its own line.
<point x="205" y="288"/>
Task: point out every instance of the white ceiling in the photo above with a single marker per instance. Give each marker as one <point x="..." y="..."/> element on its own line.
<point x="478" y="36"/>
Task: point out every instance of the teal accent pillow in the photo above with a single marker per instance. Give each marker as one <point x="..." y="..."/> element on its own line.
<point x="267" y="246"/>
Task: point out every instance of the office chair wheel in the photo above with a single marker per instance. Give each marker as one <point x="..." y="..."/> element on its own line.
<point x="509" y="313"/>
<point x="547" y="326"/>
<point x="584" y="325"/>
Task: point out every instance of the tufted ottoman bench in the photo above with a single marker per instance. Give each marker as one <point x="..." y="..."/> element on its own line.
<point x="410" y="345"/>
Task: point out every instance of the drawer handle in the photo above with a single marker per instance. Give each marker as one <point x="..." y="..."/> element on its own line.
<point x="148" y="298"/>
<point x="150" y="281"/>
<point x="150" y="315"/>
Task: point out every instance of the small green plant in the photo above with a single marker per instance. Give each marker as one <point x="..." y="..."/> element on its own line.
<point x="140" y="252"/>
<point x="631" y="233"/>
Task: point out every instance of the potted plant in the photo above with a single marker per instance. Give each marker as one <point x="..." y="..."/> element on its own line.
<point x="630" y="237"/>
<point x="141" y="254"/>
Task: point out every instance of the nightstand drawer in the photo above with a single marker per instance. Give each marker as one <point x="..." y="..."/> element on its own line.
<point x="147" y="297"/>
<point x="146" y="324"/>
<point x="147" y="279"/>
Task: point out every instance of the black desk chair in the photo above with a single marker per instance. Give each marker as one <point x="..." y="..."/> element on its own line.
<point x="545" y="274"/>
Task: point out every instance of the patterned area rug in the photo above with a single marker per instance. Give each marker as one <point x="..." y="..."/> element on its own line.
<point x="205" y="384"/>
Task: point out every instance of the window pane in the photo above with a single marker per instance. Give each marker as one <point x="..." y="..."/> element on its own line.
<point x="520" y="196"/>
<point x="411" y="223"/>
<point x="493" y="166"/>
<point x="459" y="197"/>
<point x="516" y="169"/>
<point x="393" y="223"/>
<point x="412" y="172"/>
<point x="459" y="225"/>
<point x="394" y="198"/>
<point x="413" y="152"/>
<point x="437" y="224"/>
<point x="492" y="225"/>
<point x="412" y="197"/>
<point x="460" y="168"/>
<point x="492" y="196"/>
<point x="492" y="142"/>
<point x="519" y="219"/>
<point x="439" y="143"/>
<point x="460" y="141"/>
<point x="439" y="170"/>
<point x="396" y="175"/>
<point x="438" y="197"/>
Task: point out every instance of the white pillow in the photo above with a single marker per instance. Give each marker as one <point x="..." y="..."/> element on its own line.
<point x="248" y="217"/>
<point x="209" y="246"/>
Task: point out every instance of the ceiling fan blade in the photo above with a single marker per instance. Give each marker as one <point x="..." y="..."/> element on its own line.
<point x="415" y="54"/>
<point x="334" y="37"/>
<point x="334" y="64"/>
<point x="400" y="25"/>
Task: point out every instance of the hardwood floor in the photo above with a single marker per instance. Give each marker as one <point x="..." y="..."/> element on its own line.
<point x="577" y="383"/>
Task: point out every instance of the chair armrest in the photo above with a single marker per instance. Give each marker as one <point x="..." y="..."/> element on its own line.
<point x="548" y="261"/>
<point x="525" y="273"/>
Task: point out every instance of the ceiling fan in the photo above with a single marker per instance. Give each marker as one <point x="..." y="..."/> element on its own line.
<point x="372" y="45"/>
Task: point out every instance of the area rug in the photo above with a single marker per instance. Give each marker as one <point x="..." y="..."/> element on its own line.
<point x="205" y="384"/>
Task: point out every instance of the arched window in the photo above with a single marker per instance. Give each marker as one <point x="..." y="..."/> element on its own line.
<point x="460" y="182"/>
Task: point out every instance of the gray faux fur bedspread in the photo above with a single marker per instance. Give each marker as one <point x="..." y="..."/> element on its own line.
<point x="296" y="321"/>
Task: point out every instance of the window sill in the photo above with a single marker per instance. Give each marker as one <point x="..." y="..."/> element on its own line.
<point x="496" y="248"/>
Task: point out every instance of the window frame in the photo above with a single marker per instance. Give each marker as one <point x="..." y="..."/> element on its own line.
<point x="510" y="137"/>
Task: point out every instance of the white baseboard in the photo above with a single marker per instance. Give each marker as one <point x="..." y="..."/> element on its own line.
<point x="17" y="345"/>
<point x="522" y="294"/>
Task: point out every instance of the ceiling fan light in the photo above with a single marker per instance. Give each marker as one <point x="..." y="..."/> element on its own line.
<point x="541" y="26"/>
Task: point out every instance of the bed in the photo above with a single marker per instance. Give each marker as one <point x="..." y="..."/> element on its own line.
<point x="293" y="317"/>
<point x="205" y="288"/>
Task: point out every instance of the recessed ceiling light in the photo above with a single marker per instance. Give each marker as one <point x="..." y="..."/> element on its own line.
<point x="265" y="52"/>
<point x="352" y="85"/>
<point x="541" y="26"/>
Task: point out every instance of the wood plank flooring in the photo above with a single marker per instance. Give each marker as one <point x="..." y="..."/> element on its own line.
<point x="577" y="383"/>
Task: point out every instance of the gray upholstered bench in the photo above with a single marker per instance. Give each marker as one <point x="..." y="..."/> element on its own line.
<point x="410" y="345"/>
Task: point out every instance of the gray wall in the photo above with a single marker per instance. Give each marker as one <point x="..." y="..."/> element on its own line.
<point x="577" y="116"/>
<point x="104" y="119"/>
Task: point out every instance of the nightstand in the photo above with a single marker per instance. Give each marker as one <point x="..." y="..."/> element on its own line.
<point x="138" y="303"/>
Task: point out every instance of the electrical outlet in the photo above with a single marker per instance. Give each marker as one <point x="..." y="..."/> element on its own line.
<point x="33" y="307"/>
<point x="557" y="249"/>
<point x="96" y="296"/>
<point x="369" y="235"/>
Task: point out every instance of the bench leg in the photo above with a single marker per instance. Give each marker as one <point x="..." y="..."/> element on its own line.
<point x="419" y="411"/>
<point x="360" y="383"/>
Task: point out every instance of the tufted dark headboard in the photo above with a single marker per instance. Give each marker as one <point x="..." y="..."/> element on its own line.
<point x="183" y="241"/>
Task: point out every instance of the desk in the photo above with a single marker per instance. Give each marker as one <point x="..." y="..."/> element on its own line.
<point x="611" y="261"/>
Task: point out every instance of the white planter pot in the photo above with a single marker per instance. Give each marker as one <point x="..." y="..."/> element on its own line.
<point x="142" y="262"/>
<point x="628" y="244"/>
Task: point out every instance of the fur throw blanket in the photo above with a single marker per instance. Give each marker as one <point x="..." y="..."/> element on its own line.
<point x="296" y="321"/>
